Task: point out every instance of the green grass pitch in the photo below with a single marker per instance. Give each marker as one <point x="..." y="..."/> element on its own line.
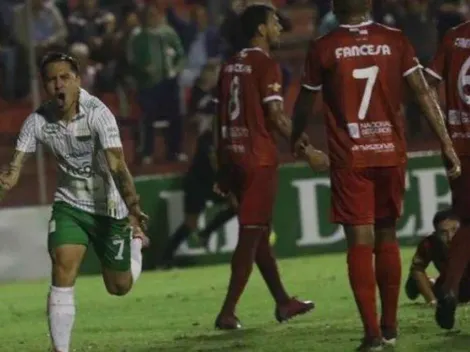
<point x="174" y="311"/>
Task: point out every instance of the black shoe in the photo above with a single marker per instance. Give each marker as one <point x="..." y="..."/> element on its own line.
<point x="445" y="311"/>
<point x="370" y="345"/>
<point x="411" y="288"/>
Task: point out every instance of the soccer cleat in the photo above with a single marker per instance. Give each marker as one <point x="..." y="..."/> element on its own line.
<point x="445" y="311"/>
<point x="292" y="308"/>
<point x="227" y="322"/>
<point x="411" y="288"/>
<point x="389" y="337"/>
<point x="372" y="344"/>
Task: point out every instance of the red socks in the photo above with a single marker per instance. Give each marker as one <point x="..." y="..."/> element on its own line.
<point x="388" y="276"/>
<point x="242" y="266"/>
<point x="362" y="280"/>
<point x="268" y="267"/>
<point x="253" y="245"/>
<point x="459" y="256"/>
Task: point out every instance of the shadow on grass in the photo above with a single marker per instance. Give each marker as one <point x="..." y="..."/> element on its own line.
<point x="455" y="341"/>
<point x="257" y="339"/>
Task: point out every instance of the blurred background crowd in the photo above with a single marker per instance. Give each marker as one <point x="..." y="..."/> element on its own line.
<point x="155" y="62"/>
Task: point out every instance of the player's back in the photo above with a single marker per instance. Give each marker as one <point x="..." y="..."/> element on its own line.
<point x="361" y="69"/>
<point x="244" y="88"/>
<point x="452" y="64"/>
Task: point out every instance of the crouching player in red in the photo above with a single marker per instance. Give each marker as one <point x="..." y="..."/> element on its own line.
<point x="451" y="64"/>
<point x="361" y="68"/>
<point x="250" y="111"/>
<point x="434" y="249"/>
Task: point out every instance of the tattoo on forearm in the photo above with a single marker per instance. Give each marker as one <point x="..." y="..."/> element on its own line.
<point x="125" y="185"/>
<point x="429" y="102"/>
<point x="284" y="125"/>
<point x="435" y="116"/>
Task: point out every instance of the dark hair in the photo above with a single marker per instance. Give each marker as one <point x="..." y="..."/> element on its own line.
<point x="345" y="8"/>
<point x="442" y="215"/>
<point x="252" y="17"/>
<point x="54" y="56"/>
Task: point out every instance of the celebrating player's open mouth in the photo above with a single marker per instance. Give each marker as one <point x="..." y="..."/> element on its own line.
<point x="60" y="100"/>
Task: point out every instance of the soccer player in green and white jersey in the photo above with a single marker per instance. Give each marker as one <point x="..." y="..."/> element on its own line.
<point x="95" y="202"/>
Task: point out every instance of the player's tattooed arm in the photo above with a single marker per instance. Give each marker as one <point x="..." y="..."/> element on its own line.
<point x="10" y="173"/>
<point x="430" y="105"/>
<point x="124" y="182"/>
<point x="278" y="118"/>
<point x="427" y="99"/>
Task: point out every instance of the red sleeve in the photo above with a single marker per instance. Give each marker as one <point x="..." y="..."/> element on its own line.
<point x="437" y="68"/>
<point x="271" y="82"/>
<point x="311" y="78"/>
<point x="409" y="61"/>
<point x="422" y="257"/>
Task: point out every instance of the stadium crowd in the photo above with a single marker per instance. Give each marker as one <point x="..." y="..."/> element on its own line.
<point x="163" y="65"/>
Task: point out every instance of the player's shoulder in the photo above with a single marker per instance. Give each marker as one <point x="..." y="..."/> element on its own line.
<point x="90" y="104"/>
<point x="257" y="55"/>
<point x="462" y="28"/>
<point x="430" y="241"/>
<point x="458" y="35"/>
<point x="249" y="60"/>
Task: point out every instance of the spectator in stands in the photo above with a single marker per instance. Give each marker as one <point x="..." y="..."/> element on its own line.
<point x="417" y="23"/>
<point x="48" y="33"/>
<point x="129" y="21"/>
<point x="91" y="25"/>
<point x="49" y="30"/>
<point x="156" y="56"/>
<point x="88" y="71"/>
<point x="448" y="15"/>
<point x="203" y="45"/>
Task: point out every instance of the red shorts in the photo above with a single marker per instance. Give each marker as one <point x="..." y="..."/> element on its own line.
<point x="255" y="189"/>
<point x="460" y="188"/>
<point x="360" y="196"/>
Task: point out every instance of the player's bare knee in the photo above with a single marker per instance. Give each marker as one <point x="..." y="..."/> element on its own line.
<point x="385" y="230"/>
<point x="359" y="234"/>
<point x="118" y="284"/>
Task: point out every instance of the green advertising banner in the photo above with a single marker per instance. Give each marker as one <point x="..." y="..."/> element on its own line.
<point x="301" y="217"/>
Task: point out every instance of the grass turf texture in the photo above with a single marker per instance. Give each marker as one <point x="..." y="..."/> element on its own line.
<point x="175" y="311"/>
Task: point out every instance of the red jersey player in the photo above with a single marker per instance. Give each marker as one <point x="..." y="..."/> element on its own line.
<point x="250" y="110"/>
<point x="434" y="249"/>
<point x="361" y="68"/>
<point x="452" y="65"/>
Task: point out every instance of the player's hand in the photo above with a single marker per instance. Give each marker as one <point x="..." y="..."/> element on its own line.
<point x="454" y="170"/>
<point x="432" y="303"/>
<point x="8" y="180"/>
<point x="317" y="160"/>
<point x="138" y="218"/>
<point x="298" y="145"/>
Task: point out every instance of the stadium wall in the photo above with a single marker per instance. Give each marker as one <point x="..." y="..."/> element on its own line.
<point x="300" y="223"/>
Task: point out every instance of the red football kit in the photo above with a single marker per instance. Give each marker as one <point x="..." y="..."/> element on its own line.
<point x="247" y="146"/>
<point x="361" y="71"/>
<point x="452" y="65"/>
